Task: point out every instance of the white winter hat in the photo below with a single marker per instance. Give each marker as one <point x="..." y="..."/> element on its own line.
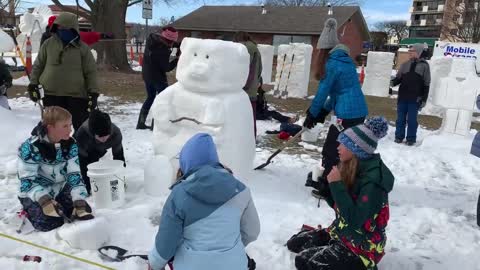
<point x="328" y="39"/>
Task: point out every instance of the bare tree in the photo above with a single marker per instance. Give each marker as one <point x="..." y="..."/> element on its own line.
<point x="7" y="11"/>
<point x="311" y="3"/>
<point x="107" y="16"/>
<point x="379" y="39"/>
<point x="462" y="22"/>
<point x="398" y="29"/>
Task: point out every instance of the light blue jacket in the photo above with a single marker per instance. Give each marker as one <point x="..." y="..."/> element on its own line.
<point x="209" y="217"/>
<point x="476" y="142"/>
<point x="341" y="84"/>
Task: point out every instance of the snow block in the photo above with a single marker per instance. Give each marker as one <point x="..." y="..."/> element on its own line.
<point x="88" y="234"/>
<point x="267" y="52"/>
<point x="297" y="84"/>
<point x="158" y="176"/>
<point x="378" y="74"/>
<point x="457" y="122"/>
<point x="209" y="98"/>
<point x="6" y="42"/>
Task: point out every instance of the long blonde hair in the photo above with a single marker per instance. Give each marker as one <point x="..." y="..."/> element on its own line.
<point x="348" y="171"/>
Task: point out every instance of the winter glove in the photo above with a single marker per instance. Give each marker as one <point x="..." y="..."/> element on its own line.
<point x="81" y="210"/>
<point x="50" y="207"/>
<point x="8" y="84"/>
<point x="421" y="103"/>
<point x="311" y="121"/>
<point x="107" y="36"/>
<point x="92" y="101"/>
<point x="3" y="90"/>
<point x="33" y="92"/>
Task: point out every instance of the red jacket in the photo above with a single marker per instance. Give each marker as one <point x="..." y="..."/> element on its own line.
<point x="90" y="38"/>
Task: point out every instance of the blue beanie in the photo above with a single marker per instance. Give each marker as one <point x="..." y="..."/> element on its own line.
<point x="362" y="139"/>
<point x="198" y="151"/>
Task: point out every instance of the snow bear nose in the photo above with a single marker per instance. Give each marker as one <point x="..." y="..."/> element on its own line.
<point x="199" y="69"/>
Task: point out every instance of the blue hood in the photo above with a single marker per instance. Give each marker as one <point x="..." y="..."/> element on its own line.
<point x="200" y="150"/>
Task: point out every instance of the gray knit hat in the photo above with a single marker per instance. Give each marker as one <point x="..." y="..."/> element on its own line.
<point x="418" y="48"/>
<point x="328" y="39"/>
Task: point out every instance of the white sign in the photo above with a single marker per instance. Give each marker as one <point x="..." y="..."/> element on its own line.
<point x="453" y="49"/>
<point x="147" y="7"/>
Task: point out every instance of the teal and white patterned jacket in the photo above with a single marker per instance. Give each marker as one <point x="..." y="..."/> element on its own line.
<point x="44" y="168"/>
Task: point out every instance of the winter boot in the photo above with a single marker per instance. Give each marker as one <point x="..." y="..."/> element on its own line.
<point x="141" y="120"/>
<point x="398" y="140"/>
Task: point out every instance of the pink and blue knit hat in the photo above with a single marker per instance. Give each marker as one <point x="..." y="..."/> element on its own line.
<point x="362" y="139"/>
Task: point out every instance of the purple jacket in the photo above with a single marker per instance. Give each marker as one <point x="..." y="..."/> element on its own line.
<point x="476" y="142"/>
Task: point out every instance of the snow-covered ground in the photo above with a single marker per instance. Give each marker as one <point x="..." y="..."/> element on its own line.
<point x="432" y="224"/>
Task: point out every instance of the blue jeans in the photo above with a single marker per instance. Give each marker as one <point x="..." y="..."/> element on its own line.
<point x="153" y="89"/>
<point x="407" y="112"/>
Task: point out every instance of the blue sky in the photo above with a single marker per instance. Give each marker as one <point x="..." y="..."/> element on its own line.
<point x="373" y="10"/>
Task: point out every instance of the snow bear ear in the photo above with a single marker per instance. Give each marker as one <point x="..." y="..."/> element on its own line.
<point x="184" y="44"/>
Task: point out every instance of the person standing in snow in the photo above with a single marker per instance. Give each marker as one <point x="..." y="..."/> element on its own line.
<point x="414" y="79"/>
<point x="51" y="187"/>
<point x="89" y="38"/>
<point x="96" y="135"/>
<point x="339" y="90"/>
<point x="254" y="72"/>
<point x="156" y="64"/>
<point x="209" y="217"/>
<point x="5" y="83"/>
<point x="359" y="194"/>
<point x="66" y="69"/>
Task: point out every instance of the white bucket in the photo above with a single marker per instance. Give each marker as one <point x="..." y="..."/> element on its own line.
<point x="311" y="135"/>
<point x="107" y="178"/>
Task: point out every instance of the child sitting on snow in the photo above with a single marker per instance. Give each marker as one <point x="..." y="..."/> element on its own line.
<point x="51" y="187"/>
<point x="94" y="137"/>
<point x="209" y="217"/>
<point x="359" y="194"/>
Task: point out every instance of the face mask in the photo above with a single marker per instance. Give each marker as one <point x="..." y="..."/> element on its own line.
<point x="66" y="35"/>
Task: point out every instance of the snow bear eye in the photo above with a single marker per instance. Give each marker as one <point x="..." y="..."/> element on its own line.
<point x="207" y="56"/>
<point x="194" y="54"/>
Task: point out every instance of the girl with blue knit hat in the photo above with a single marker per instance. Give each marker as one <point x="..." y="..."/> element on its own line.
<point x="359" y="195"/>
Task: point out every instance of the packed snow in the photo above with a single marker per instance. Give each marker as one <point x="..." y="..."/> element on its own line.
<point x="432" y="224"/>
<point x="378" y="74"/>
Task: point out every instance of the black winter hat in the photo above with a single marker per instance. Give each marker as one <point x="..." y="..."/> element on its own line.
<point x="99" y="123"/>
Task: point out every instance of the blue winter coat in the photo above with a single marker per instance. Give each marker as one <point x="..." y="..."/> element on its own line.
<point x="341" y="84"/>
<point x="476" y="142"/>
<point x="207" y="220"/>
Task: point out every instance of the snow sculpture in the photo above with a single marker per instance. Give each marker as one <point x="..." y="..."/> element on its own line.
<point x="457" y="94"/>
<point x="86" y="235"/>
<point x="266" y="51"/>
<point x="33" y="25"/>
<point x="294" y="59"/>
<point x="6" y="42"/>
<point x="378" y="73"/>
<point x="208" y="97"/>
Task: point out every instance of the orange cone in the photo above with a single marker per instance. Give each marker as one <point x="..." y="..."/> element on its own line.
<point x="362" y="74"/>
<point x="140" y="59"/>
<point x="28" y="56"/>
<point x="132" y="56"/>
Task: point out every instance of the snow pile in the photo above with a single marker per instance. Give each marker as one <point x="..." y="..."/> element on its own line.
<point x="22" y="81"/>
<point x="266" y="51"/>
<point x="432" y="222"/>
<point x="6" y="42"/>
<point x="208" y="97"/>
<point x="293" y="70"/>
<point x="378" y="74"/>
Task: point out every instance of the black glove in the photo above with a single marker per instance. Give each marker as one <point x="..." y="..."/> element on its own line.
<point x="8" y="84"/>
<point x="92" y="101"/>
<point x="421" y="103"/>
<point x="311" y="121"/>
<point x="33" y="92"/>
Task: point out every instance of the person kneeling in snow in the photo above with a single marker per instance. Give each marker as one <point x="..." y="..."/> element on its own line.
<point x="209" y="217"/>
<point x="359" y="194"/>
<point x="51" y="187"/>
<point x="94" y="137"/>
<point x="5" y="83"/>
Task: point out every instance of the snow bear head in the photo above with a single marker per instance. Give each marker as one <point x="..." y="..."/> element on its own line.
<point x="207" y="65"/>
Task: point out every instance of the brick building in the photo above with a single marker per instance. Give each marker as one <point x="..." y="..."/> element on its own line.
<point x="275" y="25"/>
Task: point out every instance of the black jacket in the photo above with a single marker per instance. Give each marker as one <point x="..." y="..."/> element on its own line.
<point x="414" y="79"/>
<point x="156" y="62"/>
<point x="88" y="146"/>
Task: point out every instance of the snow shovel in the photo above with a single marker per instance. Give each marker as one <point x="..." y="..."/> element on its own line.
<point x="121" y="255"/>
<point x="276" y="92"/>
<point x="269" y="160"/>
<point x="284" y="93"/>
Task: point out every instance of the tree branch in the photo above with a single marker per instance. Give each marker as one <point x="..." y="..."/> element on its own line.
<point x="133" y="2"/>
<point x="86" y="12"/>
